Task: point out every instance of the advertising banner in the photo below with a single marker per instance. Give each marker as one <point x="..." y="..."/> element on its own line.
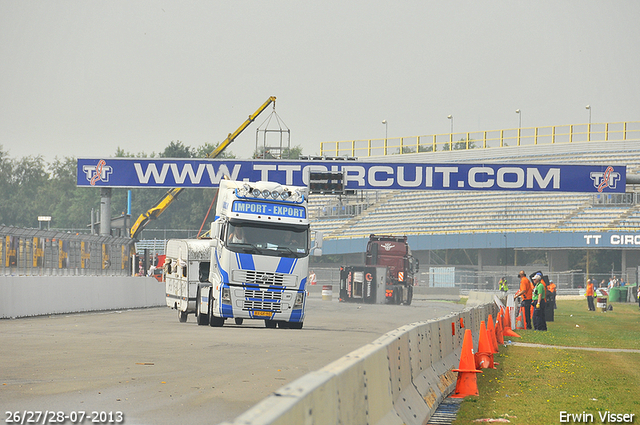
<point x="202" y="173"/>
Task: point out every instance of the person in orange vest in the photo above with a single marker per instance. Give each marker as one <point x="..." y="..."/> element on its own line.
<point x="526" y="290"/>
<point x="552" y="288"/>
<point x="589" y="295"/>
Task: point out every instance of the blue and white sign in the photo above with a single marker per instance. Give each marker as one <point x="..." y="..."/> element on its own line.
<point x="264" y="208"/>
<point x="145" y="172"/>
<point x="611" y="240"/>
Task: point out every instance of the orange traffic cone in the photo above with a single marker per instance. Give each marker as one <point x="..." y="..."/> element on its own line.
<point x="506" y="314"/>
<point x="499" y="337"/>
<point x="484" y="356"/>
<point x="520" y="321"/>
<point x="506" y="331"/>
<point x="492" y="334"/>
<point x="466" y="384"/>
<point x="506" y="326"/>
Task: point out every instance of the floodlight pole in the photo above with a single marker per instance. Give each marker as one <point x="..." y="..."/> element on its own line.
<point x="519" y="124"/>
<point x="588" y="107"/>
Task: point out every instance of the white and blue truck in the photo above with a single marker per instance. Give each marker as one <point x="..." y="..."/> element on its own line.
<point x="259" y="259"/>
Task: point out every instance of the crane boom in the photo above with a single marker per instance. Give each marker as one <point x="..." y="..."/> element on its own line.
<point x="232" y="136"/>
<point x="155" y="211"/>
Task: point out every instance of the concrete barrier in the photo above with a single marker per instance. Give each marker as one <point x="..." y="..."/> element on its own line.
<point x="479" y="298"/>
<point x="24" y="296"/>
<point x="400" y="378"/>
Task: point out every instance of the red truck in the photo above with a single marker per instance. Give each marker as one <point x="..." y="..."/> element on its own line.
<point x="388" y="275"/>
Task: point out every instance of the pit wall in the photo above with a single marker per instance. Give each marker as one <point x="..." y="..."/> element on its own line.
<point x="400" y="378"/>
<point x="23" y="296"/>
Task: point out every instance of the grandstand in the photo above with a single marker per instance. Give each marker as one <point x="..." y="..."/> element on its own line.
<point x="455" y="216"/>
<point x="431" y="212"/>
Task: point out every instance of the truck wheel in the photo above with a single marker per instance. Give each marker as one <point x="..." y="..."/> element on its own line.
<point x="238" y="320"/>
<point x="214" y="322"/>
<point x="201" y="319"/>
<point x="182" y="316"/>
<point x="409" y="295"/>
<point x="295" y="325"/>
<point x="271" y="324"/>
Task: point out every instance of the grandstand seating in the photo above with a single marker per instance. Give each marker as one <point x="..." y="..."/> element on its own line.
<point x="433" y="212"/>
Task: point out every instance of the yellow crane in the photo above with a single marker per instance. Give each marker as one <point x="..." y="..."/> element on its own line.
<point x="155" y="211"/>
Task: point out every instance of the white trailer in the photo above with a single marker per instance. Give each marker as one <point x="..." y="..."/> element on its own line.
<point x="260" y="245"/>
<point x="186" y="266"/>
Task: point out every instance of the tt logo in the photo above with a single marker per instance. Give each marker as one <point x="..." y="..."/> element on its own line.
<point x="607" y="179"/>
<point x="388" y="246"/>
<point x="100" y="172"/>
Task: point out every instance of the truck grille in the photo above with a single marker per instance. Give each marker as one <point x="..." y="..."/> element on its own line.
<point x="264" y="278"/>
<point x="257" y="305"/>
<point x="262" y="300"/>
<point x="269" y="296"/>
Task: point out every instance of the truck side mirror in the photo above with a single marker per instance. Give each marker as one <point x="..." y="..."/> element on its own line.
<point x="215" y="233"/>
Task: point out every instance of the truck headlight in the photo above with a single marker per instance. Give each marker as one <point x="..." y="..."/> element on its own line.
<point x="299" y="300"/>
<point x="226" y="296"/>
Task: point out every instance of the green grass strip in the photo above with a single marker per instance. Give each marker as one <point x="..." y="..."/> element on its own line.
<point x="534" y="385"/>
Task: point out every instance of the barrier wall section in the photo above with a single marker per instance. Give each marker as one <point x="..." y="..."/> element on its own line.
<point x="400" y="378"/>
<point x="24" y="296"/>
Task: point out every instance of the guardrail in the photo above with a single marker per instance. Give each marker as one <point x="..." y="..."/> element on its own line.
<point x="400" y="378"/>
<point x="570" y="133"/>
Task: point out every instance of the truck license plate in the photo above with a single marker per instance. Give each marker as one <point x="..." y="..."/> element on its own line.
<point x="262" y="313"/>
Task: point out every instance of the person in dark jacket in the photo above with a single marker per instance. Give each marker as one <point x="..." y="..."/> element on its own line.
<point x="539" y="303"/>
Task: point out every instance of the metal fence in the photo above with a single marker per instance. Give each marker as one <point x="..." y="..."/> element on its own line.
<point x="614" y="199"/>
<point x="33" y="252"/>
<point x="527" y="136"/>
<point x="465" y="278"/>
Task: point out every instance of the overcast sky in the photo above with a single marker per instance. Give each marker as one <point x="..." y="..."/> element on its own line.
<point x="81" y="78"/>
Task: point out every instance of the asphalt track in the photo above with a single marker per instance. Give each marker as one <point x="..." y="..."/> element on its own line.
<point x="156" y="370"/>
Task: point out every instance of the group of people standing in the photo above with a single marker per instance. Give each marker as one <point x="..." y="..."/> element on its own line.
<point x="538" y="292"/>
<point x="591" y="291"/>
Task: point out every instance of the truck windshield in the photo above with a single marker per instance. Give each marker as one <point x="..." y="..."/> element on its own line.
<point x="277" y="241"/>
